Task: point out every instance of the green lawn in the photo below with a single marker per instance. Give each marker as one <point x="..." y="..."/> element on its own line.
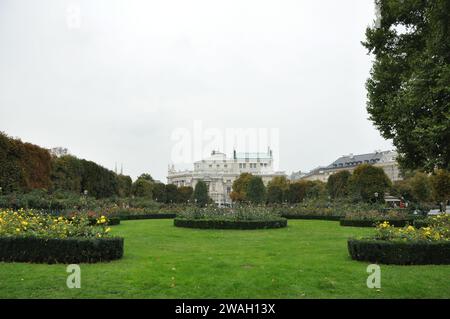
<point x="309" y="259"/>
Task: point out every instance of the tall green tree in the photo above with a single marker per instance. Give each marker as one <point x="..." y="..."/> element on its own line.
<point x="159" y="192"/>
<point x="125" y="185"/>
<point x="296" y="192"/>
<point x="171" y="193"/>
<point x="277" y="189"/>
<point x="256" y="191"/>
<point x="201" y="193"/>
<point x="369" y="183"/>
<point x="440" y="182"/>
<point x="184" y="194"/>
<point x="421" y="187"/>
<point x="142" y="188"/>
<point x="409" y="87"/>
<point x="275" y="194"/>
<point x="67" y="173"/>
<point x="240" y="185"/>
<point x="337" y="184"/>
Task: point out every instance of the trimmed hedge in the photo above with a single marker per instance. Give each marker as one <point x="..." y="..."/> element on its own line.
<point x="147" y="216"/>
<point x="421" y="223"/>
<point x="372" y="222"/>
<point x="66" y="251"/>
<point x="315" y="217"/>
<point x="229" y="224"/>
<point x="400" y="253"/>
<point x="111" y="221"/>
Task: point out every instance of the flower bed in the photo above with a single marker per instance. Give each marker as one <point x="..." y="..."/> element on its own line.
<point x="28" y="236"/>
<point x="373" y="217"/>
<point x="237" y="218"/>
<point x="374" y="222"/>
<point x="315" y="217"/>
<point x="407" y="245"/>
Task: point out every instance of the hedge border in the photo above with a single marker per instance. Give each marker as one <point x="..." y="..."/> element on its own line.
<point x="314" y="217"/>
<point x="148" y="216"/>
<point x="372" y="223"/>
<point x="229" y="224"/>
<point x="421" y="223"/>
<point x="399" y="253"/>
<point x="65" y="251"/>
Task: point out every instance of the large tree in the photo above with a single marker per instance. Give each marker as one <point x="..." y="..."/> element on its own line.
<point x="409" y="87"/>
<point x="277" y="189"/>
<point x="240" y="186"/>
<point x="256" y="191"/>
<point x="337" y="184"/>
<point x="369" y="183"/>
<point x="201" y="193"/>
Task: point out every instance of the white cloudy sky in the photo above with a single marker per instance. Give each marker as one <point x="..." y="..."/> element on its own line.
<point x="114" y="82"/>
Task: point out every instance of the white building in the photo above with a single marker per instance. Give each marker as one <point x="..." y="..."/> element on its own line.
<point x="219" y="172"/>
<point x="383" y="159"/>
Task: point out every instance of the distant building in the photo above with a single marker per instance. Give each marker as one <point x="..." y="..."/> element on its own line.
<point x="219" y="172"/>
<point x="384" y="159"/>
<point x="296" y="176"/>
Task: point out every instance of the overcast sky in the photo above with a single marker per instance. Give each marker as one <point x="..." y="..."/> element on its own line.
<point x="113" y="80"/>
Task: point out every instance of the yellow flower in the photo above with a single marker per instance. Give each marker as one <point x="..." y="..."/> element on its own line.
<point x="18" y="230"/>
<point x="107" y="230"/>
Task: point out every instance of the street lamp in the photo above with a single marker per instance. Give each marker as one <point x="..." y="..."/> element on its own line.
<point x="85" y="192"/>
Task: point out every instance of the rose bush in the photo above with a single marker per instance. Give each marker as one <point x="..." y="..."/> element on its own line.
<point x="29" y="223"/>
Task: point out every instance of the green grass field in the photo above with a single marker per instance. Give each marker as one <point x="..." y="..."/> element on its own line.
<point x="309" y="259"/>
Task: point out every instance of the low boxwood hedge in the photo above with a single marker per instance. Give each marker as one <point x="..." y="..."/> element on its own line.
<point x="67" y="250"/>
<point x="111" y="221"/>
<point x="400" y="253"/>
<point x="229" y="224"/>
<point x="315" y="217"/>
<point x="373" y="222"/>
<point x="148" y="216"/>
<point x="419" y="223"/>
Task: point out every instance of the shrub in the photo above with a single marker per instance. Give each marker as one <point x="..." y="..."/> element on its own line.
<point x="238" y="213"/>
<point x="56" y="250"/>
<point x="400" y="253"/>
<point x="230" y="224"/>
<point x="24" y="223"/>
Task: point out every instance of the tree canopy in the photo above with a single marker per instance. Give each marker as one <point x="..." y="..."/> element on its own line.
<point x="409" y="87"/>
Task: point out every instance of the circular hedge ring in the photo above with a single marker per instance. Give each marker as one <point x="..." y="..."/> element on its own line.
<point x="230" y="224"/>
<point x="400" y="253"/>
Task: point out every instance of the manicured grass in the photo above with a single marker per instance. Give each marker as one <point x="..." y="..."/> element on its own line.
<point x="308" y="259"/>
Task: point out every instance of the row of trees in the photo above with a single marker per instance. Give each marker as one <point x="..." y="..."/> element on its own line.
<point x="250" y="188"/>
<point x="23" y="166"/>
<point x="367" y="183"/>
<point x="417" y="187"/>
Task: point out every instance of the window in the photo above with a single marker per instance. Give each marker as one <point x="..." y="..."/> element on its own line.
<point x="210" y="165"/>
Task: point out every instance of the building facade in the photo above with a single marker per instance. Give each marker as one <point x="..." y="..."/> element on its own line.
<point x="384" y="159"/>
<point x="219" y="172"/>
